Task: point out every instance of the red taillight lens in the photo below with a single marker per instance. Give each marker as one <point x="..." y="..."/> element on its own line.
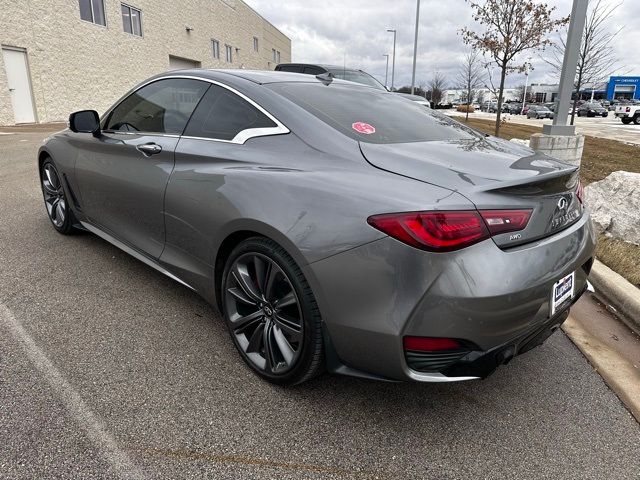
<point x="431" y="344"/>
<point x="447" y="231"/>
<point x="580" y="191"/>
<point x="433" y="231"/>
<point x="503" y="221"/>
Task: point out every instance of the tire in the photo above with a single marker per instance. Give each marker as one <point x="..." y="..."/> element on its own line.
<point x="55" y="199"/>
<point x="636" y="119"/>
<point x="626" y="120"/>
<point x="271" y="313"/>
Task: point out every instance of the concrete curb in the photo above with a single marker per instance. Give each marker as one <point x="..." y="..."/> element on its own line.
<point x="616" y="371"/>
<point x="616" y="290"/>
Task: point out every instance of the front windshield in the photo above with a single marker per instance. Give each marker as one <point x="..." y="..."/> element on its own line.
<point x="358" y="77"/>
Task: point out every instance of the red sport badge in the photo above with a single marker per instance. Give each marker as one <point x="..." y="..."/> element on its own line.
<point x="362" y="127"/>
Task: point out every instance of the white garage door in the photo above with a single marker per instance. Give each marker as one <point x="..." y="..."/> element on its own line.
<point x="177" y="63"/>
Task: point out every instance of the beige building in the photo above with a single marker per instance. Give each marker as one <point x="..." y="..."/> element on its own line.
<point x="59" y="56"/>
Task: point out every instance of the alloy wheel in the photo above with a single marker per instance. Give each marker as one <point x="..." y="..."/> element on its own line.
<point x="54" y="197"/>
<point x="264" y="313"/>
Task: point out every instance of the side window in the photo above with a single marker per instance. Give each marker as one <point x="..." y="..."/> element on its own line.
<point x="160" y="107"/>
<point x="222" y="114"/>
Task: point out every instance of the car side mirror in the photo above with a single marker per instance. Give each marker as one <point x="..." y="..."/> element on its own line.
<point x="85" y="121"/>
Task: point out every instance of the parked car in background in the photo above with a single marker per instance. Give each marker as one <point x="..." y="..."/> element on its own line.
<point x="525" y="110"/>
<point x="628" y="113"/>
<point x="592" y="109"/>
<point x="551" y="106"/>
<point x="349" y="74"/>
<point x="514" y="108"/>
<point x="489" y="106"/>
<point x="538" y="112"/>
<point x="335" y="226"/>
<point x="416" y="98"/>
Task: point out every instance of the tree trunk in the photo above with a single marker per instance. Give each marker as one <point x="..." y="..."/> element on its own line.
<point x="503" y="75"/>
<point x="468" y="102"/>
<point x="575" y="102"/>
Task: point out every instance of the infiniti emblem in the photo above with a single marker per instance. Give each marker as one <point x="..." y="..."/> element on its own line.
<point x="562" y="203"/>
<point x="268" y="311"/>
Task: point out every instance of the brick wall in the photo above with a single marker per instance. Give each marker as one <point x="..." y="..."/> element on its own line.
<point x="76" y="65"/>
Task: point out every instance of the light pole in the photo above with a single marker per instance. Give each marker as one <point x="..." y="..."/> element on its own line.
<point x="393" y="64"/>
<point x="526" y="84"/>
<point x="568" y="73"/>
<point x="415" y="48"/>
<point x="386" y="70"/>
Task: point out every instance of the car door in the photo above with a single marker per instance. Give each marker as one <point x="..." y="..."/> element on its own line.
<point x="216" y="160"/>
<point x="123" y="172"/>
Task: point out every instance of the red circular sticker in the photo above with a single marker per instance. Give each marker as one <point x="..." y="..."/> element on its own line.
<point x="362" y="127"/>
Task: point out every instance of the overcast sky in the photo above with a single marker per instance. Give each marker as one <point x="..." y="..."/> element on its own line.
<point x="326" y="31"/>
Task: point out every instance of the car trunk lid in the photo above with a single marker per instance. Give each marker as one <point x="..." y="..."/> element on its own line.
<point x="493" y="174"/>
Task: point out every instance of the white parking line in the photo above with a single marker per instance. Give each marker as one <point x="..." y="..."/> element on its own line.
<point x="84" y="417"/>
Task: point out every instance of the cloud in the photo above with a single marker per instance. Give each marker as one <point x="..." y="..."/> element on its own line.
<point x="355" y="30"/>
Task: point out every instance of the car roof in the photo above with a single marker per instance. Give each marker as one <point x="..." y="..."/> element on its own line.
<point x="259" y="77"/>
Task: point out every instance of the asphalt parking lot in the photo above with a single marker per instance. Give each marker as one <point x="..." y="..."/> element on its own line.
<point x="108" y="369"/>
<point x="603" y="127"/>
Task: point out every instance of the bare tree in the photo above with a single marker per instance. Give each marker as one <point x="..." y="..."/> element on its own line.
<point x="436" y="86"/>
<point x="510" y="28"/>
<point x="520" y="93"/>
<point x="597" y="59"/>
<point x="470" y="77"/>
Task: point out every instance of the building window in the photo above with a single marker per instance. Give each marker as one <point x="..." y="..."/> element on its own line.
<point x="229" y="53"/>
<point x="273" y="51"/>
<point x="131" y="20"/>
<point x="93" y="11"/>
<point x="277" y="57"/>
<point x="255" y="44"/>
<point x="215" y="44"/>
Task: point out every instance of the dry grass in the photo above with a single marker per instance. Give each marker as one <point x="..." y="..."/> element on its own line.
<point x="600" y="158"/>
<point x="621" y="257"/>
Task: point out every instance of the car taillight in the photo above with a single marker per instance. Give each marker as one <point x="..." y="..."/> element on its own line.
<point x="450" y="230"/>
<point x="580" y="191"/>
<point x="628" y="109"/>
<point x="503" y="221"/>
<point x="431" y="344"/>
<point x="433" y="231"/>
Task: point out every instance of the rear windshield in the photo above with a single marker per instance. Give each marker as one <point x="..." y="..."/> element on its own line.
<point x="372" y="116"/>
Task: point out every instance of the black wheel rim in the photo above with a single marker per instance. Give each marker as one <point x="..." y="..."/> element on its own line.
<point x="264" y="313"/>
<point x="54" y="198"/>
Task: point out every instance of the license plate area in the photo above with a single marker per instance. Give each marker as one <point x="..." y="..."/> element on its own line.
<point x="563" y="291"/>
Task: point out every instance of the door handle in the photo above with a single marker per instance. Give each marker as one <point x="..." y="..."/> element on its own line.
<point x="148" y="149"/>
<point x="11" y="89"/>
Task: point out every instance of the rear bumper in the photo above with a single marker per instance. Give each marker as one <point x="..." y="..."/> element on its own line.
<point x="374" y="295"/>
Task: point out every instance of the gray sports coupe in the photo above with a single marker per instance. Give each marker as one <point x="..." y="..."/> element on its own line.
<point x="336" y="226"/>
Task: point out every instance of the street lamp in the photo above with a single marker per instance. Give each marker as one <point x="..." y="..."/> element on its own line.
<point x="386" y="70"/>
<point x="393" y="64"/>
<point x="527" y="64"/>
<point x="568" y="73"/>
<point x="415" y="48"/>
